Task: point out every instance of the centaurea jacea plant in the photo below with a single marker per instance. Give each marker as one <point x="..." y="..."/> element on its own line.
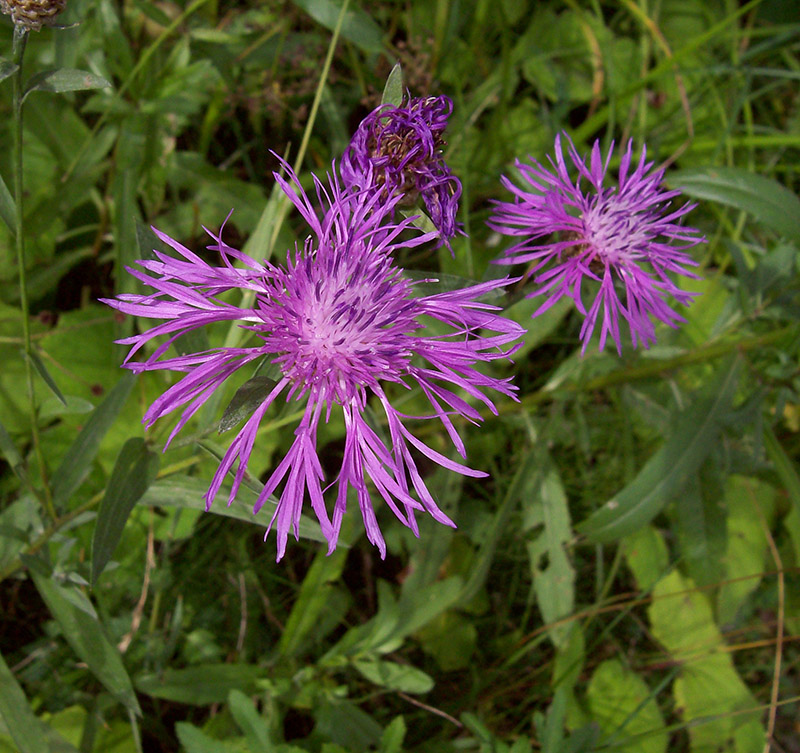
<point x="397" y="150"/>
<point x="626" y="237"/>
<point x="341" y="322"/>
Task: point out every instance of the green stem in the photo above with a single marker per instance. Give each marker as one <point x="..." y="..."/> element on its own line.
<point x="20" y="39"/>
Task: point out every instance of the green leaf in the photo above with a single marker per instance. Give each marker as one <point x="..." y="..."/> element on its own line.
<point x="767" y="200"/>
<point x="45" y="374"/>
<point x="254" y="726"/>
<point x="79" y="457"/>
<point x="247" y="398"/>
<point x="662" y="475"/>
<point x="357" y="26"/>
<point x="751" y="505"/>
<point x="134" y="471"/>
<point x="7" y="68"/>
<point x="393" y="91"/>
<point x="85" y="635"/>
<point x="392" y="737"/>
<point x="23" y="725"/>
<point x="64" y="80"/>
<point x="552" y="574"/>
<point x="196" y="741"/>
<point x="312" y="600"/>
<point x="701" y="530"/>
<point x="185" y="491"/>
<point x="10" y="452"/>
<point x="400" y="677"/>
<point x="784" y="466"/>
<point x="626" y="710"/>
<point x="201" y="684"/>
<point x="8" y="207"/>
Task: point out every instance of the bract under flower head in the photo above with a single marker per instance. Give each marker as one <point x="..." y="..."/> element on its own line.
<point x="397" y="150"/>
<point x="624" y="237"/>
<point x="341" y="323"/>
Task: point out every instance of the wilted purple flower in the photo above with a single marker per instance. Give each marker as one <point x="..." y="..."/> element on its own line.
<point x="398" y="150"/>
<point x="341" y="322"/>
<point x="624" y="238"/>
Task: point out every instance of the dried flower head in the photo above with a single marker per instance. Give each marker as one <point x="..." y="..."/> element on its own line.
<point x="32" y="14"/>
<point x="341" y="323"/>
<point x="398" y="150"/>
<point x="624" y="237"/>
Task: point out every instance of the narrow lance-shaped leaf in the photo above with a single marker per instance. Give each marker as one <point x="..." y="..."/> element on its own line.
<point x="393" y="91"/>
<point x="88" y="640"/>
<point x="640" y="501"/>
<point x="134" y="471"/>
<point x="767" y="200"/>
<point x="247" y="398"/>
<point x="23" y="725"/>
<point x="79" y="457"/>
<point x="8" y="207"/>
<point x="64" y="80"/>
<point x="9" y="451"/>
<point x="45" y="375"/>
<point x="7" y="68"/>
<point x="187" y="492"/>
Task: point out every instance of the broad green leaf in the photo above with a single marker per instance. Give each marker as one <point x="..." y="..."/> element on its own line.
<point x="767" y="200"/>
<point x="393" y="91"/>
<point x="451" y="639"/>
<point x="134" y="471"/>
<point x="393" y="735"/>
<point x="710" y="690"/>
<point x="312" y="600"/>
<point x="45" y="375"/>
<point x="751" y="506"/>
<point x="88" y="640"/>
<point x="52" y="407"/>
<point x="23" y="725"/>
<point x="186" y="491"/>
<point x="252" y="724"/>
<point x="201" y="684"/>
<point x="662" y="475"/>
<point x="357" y="26"/>
<point x="247" y="398"/>
<point x="8" y="207"/>
<point x="79" y="457"/>
<point x="400" y="677"/>
<point x="646" y="555"/>
<point x="196" y="741"/>
<point x="64" y="80"/>
<point x="7" y="68"/>
<point x="345" y="724"/>
<point x="625" y="709"/>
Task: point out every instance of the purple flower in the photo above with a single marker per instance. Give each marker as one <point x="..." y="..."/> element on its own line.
<point x="625" y="238"/>
<point x="341" y="323"/>
<point x="398" y="150"/>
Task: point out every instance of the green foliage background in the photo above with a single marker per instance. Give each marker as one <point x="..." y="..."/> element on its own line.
<point x="627" y="578"/>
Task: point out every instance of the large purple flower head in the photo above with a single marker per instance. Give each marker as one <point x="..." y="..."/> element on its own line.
<point x="341" y="323"/>
<point x="624" y="237"/>
<point x="397" y="150"/>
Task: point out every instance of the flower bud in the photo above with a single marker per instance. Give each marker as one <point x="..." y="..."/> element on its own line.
<point x="32" y="14"/>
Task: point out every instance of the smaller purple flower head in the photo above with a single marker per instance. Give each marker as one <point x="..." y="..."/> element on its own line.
<point x="344" y="327"/>
<point x="624" y="239"/>
<point x="398" y="150"/>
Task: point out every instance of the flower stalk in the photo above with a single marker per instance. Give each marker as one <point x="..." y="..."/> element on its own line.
<point x="18" y="54"/>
